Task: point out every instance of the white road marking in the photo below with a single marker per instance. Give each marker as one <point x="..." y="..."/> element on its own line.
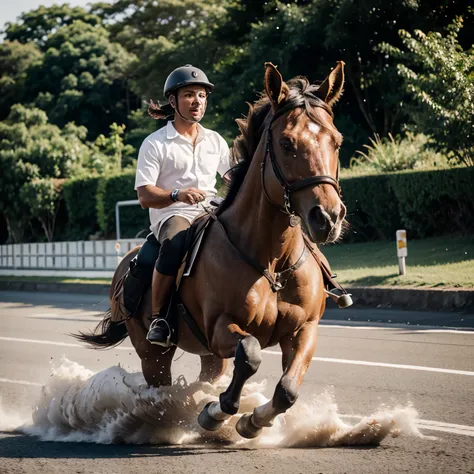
<point x="385" y="326"/>
<point x="54" y="343"/>
<point x="21" y="382"/>
<point x="465" y="430"/>
<point x="384" y="364"/>
<point x="320" y="359"/>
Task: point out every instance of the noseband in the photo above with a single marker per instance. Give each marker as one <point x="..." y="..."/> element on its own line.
<point x="289" y="188"/>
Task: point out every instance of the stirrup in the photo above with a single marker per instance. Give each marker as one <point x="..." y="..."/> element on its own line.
<point x="343" y="300"/>
<point x="153" y="325"/>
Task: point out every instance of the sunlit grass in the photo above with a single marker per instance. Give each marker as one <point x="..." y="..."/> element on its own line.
<point x="444" y="262"/>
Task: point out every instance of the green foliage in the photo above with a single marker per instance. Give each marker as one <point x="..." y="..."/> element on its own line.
<point x="425" y="203"/>
<point x="80" y="197"/>
<point x="440" y="76"/>
<point x="435" y="202"/>
<point x="15" y="59"/>
<point x="33" y="150"/>
<point x="37" y="25"/>
<point x="82" y="78"/>
<point x="386" y="156"/>
<point x="111" y="153"/>
<point x="42" y="196"/>
<point x="372" y="208"/>
<point x="119" y="188"/>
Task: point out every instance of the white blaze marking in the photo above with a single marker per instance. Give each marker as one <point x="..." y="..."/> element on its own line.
<point x="314" y="128"/>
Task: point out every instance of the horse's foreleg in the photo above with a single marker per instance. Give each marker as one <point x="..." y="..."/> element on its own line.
<point x="212" y="368"/>
<point x="246" y="363"/>
<point x="297" y="352"/>
<point x="156" y="361"/>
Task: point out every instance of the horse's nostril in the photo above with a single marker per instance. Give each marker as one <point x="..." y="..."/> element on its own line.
<point x="319" y="216"/>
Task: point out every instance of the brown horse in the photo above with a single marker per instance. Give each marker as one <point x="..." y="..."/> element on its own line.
<point x="255" y="284"/>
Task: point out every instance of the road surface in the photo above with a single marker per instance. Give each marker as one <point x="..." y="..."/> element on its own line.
<point x="361" y="367"/>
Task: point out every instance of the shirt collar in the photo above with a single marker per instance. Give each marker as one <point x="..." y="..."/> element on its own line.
<point x="172" y="133"/>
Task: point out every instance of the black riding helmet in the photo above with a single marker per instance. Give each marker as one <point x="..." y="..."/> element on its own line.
<point x="185" y="75"/>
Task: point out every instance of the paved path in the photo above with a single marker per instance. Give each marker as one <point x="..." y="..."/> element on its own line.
<point x="363" y="363"/>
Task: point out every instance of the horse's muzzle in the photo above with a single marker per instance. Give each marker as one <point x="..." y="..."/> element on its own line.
<point x="324" y="226"/>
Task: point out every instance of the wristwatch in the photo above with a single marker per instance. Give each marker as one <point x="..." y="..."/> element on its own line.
<point x="174" y="195"/>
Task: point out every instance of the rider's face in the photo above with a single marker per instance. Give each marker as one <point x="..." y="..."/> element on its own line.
<point x="192" y="102"/>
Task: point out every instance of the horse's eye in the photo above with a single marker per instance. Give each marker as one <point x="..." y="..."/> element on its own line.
<point x="287" y="145"/>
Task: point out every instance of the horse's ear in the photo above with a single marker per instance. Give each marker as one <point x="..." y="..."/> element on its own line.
<point x="275" y="87"/>
<point x="331" y="89"/>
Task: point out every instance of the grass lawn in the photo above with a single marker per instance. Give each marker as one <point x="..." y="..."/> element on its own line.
<point x="442" y="262"/>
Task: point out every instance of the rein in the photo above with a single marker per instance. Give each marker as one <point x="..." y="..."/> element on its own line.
<point x="290" y="187"/>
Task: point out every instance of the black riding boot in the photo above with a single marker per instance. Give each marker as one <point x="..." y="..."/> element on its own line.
<point x="136" y="283"/>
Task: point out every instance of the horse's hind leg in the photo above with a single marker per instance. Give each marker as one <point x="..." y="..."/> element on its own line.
<point x="156" y="360"/>
<point x="247" y="360"/>
<point x="297" y="353"/>
<point x="212" y="368"/>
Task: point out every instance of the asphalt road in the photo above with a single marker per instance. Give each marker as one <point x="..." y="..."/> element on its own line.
<point x="366" y="362"/>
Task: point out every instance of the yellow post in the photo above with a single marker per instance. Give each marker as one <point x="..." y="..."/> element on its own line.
<point x="402" y="251"/>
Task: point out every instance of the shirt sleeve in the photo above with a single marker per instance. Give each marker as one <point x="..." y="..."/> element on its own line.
<point x="224" y="164"/>
<point x="148" y="165"/>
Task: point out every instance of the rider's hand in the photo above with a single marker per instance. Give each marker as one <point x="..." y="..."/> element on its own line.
<point x="191" y="195"/>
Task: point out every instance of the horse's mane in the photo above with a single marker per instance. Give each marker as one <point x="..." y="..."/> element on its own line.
<point x="251" y="130"/>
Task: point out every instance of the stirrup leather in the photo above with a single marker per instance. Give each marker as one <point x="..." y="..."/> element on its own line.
<point x="153" y="325"/>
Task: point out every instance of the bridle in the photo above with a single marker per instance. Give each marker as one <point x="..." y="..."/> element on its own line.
<point x="289" y="188"/>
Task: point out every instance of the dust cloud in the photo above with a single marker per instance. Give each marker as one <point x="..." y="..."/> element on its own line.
<point x="116" y="406"/>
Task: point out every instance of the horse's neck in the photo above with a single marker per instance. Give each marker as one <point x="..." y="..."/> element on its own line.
<point x="257" y="226"/>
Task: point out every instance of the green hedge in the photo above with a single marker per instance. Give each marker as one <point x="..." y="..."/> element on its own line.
<point x="80" y="197"/>
<point x="425" y="203"/>
<point x="132" y="218"/>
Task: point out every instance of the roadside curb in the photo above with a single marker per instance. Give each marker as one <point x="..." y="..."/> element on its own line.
<point x="380" y="297"/>
<point x="413" y="298"/>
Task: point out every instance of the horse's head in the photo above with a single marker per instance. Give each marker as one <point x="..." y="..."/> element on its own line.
<point x="302" y="146"/>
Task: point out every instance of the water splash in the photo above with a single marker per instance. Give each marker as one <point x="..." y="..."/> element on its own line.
<point x="115" y="406"/>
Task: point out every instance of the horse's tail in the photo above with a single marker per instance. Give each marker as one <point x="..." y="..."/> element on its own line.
<point x="107" y="333"/>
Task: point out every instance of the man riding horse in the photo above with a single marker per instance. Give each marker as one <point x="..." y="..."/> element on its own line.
<point x="176" y="170"/>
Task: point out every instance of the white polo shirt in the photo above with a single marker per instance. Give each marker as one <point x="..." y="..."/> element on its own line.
<point x="168" y="160"/>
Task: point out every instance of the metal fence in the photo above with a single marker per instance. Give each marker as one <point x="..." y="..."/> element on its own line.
<point x="82" y="258"/>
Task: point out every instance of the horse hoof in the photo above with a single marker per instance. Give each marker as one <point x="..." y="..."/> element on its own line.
<point x="207" y="422"/>
<point x="246" y="428"/>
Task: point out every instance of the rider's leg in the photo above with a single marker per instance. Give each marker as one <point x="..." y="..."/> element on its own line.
<point x="138" y="279"/>
<point x="172" y="238"/>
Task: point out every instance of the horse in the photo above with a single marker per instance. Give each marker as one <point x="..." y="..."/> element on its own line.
<point x="257" y="280"/>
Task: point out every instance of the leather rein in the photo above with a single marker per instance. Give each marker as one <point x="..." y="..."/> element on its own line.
<point x="279" y="280"/>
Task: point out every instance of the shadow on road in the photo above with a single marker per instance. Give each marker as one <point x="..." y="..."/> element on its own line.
<point x="27" y="447"/>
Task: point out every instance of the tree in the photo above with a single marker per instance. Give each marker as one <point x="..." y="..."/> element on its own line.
<point x="31" y="151"/>
<point x="110" y="154"/>
<point x="42" y="196"/>
<point x="82" y="78"/>
<point x="439" y="74"/>
<point x="15" y="59"/>
<point x="37" y="25"/>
